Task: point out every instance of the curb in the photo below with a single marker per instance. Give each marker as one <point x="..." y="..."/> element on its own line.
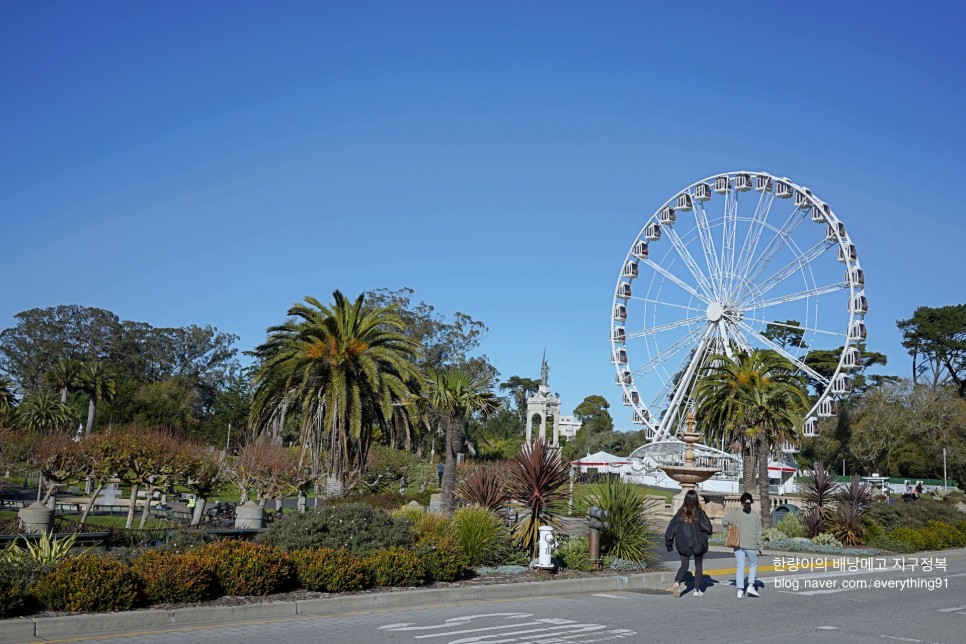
<point x="33" y="628"/>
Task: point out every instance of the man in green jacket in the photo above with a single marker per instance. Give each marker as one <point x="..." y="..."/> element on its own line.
<point x="749" y="543"/>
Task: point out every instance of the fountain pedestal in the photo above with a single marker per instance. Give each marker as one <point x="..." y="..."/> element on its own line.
<point x="688" y="475"/>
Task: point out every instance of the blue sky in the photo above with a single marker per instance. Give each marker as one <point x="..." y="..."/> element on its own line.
<point x="213" y="163"/>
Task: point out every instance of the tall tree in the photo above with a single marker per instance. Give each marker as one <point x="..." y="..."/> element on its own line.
<point x="97" y="381"/>
<point x="520" y="389"/>
<point x="346" y="365"/>
<point x="8" y="398"/>
<point x="64" y="376"/>
<point x="457" y="397"/>
<point x="936" y="340"/>
<point x="786" y="334"/>
<point x="824" y="362"/>
<point x="755" y="400"/>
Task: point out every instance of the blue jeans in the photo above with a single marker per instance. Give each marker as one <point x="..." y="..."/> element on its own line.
<point x="740" y="554"/>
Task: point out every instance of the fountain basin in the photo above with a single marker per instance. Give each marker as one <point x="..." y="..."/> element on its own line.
<point x="689" y="475"/>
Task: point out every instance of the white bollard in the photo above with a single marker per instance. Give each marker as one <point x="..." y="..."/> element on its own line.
<point x="547" y="544"/>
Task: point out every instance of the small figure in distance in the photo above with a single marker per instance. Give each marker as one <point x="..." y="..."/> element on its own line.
<point x="749" y="543"/>
<point x="689" y="530"/>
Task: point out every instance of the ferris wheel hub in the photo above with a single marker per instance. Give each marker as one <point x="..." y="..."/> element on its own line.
<point x="715" y="312"/>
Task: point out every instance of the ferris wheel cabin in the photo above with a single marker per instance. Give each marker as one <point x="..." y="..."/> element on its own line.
<point x="667" y="216"/>
<point x="858" y="304"/>
<point x="763" y="183"/>
<point x="652" y="231"/>
<point x="619" y="356"/>
<point x="848" y="252"/>
<point x="624" y="291"/>
<point x="841" y="385"/>
<point x="803" y="198"/>
<point x="819" y="213"/>
<point x="742" y="182"/>
<point x="702" y="192"/>
<point x="618" y="335"/>
<point x="632" y="398"/>
<point x="827" y="408"/>
<point x="783" y="190"/>
<point x="631" y="270"/>
<point x="857" y="331"/>
<point x="624" y="377"/>
<point x="835" y="230"/>
<point x="640" y="250"/>
<point x="810" y="427"/>
<point x="852" y="358"/>
<point x="641" y="418"/>
<point x="620" y="313"/>
<point x="855" y="275"/>
<point x="722" y="185"/>
<point x="684" y="202"/>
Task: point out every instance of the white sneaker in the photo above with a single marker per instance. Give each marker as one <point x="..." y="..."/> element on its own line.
<point x="675" y="590"/>
<point x="751" y="592"/>
<point x="741" y="594"/>
<point x="698" y="593"/>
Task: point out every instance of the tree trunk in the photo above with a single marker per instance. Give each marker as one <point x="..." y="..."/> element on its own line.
<point x="90" y="504"/>
<point x="747" y="466"/>
<point x="131" y="506"/>
<point x="90" y="417"/>
<point x="333" y="480"/>
<point x="63" y="395"/>
<point x="449" y="469"/>
<point x="199" y="510"/>
<point x="764" y="494"/>
<point x="147" y="506"/>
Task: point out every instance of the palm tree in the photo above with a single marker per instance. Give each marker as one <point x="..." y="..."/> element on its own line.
<point x="8" y="401"/>
<point x="64" y="376"/>
<point x="456" y="396"/>
<point x="97" y="381"/>
<point x="346" y="366"/>
<point x="756" y="401"/>
<point x="43" y="412"/>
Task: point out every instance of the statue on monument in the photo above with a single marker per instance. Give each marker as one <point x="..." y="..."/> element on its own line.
<point x="544" y="369"/>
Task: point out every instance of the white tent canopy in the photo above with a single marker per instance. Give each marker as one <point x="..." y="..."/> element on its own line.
<point x="600" y="460"/>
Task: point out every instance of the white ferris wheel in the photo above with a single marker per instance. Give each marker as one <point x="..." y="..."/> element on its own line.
<point x="732" y="263"/>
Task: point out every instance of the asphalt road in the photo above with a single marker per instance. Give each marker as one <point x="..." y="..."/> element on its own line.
<point x="892" y="605"/>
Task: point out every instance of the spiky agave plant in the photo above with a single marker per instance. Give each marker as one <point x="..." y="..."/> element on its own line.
<point x="537" y="480"/>
<point x="852" y="501"/>
<point x="817" y="490"/>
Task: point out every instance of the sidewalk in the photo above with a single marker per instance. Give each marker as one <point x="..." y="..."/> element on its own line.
<point x="44" y="628"/>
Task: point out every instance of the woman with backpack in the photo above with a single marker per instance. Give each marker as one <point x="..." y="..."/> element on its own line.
<point x="689" y="531"/>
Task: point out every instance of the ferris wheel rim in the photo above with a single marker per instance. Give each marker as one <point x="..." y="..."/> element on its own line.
<point x="708" y="291"/>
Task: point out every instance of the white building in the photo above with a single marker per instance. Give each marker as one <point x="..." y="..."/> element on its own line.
<point x="568" y="427"/>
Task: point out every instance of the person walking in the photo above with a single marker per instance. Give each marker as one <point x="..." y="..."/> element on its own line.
<point x="688" y="531"/>
<point x="749" y="543"/>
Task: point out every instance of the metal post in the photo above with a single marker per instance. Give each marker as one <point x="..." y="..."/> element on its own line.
<point x="944" y="469"/>
<point x="594" y="547"/>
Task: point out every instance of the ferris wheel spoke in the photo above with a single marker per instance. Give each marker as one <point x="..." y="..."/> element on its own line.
<point x="667" y="353"/>
<point x="677" y="280"/>
<point x="779" y="241"/>
<point x="707" y="244"/>
<point x="689" y="261"/>
<point x="755" y="229"/>
<point x="664" y="327"/>
<point x="801" y="295"/>
<point x="791" y="268"/>
<point x="686" y="382"/>
<point x="781" y="350"/>
<point x="728" y="232"/>
<point x="664" y="393"/>
<point x="648" y="300"/>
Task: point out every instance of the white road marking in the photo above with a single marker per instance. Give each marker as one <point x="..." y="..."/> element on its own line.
<point x="827" y="628"/>
<point x="549" y="630"/>
<point x="951" y="610"/>
<point x="609" y="596"/>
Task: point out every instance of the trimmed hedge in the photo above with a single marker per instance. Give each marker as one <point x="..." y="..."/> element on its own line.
<point x="244" y="568"/>
<point x="331" y="571"/>
<point x="396" y="567"/>
<point x="361" y="528"/>
<point x="89" y="583"/>
<point x="169" y="577"/>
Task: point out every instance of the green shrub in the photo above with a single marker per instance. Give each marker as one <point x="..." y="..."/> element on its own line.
<point x="244" y="568"/>
<point x="89" y="583"/>
<point x="430" y="526"/>
<point x="914" y="515"/>
<point x="631" y="535"/>
<point x="330" y="571"/>
<point x="396" y="566"/>
<point x="873" y="529"/>
<point x="773" y="534"/>
<point x="443" y="558"/>
<point x="826" y="539"/>
<point x="575" y="553"/>
<point x="361" y="528"/>
<point x="791" y="524"/>
<point x="173" y="578"/>
<point x="385" y="466"/>
<point x="939" y="535"/>
<point x="907" y="539"/>
<point x="383" y="500"/>
<point x="185" y="539"/>
<point x="483" y="535"/>
<point x="134" y="538"/>
<point x="15" y="578"/>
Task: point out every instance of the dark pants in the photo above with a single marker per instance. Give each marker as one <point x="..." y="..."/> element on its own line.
<point x="698" y="570"/>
